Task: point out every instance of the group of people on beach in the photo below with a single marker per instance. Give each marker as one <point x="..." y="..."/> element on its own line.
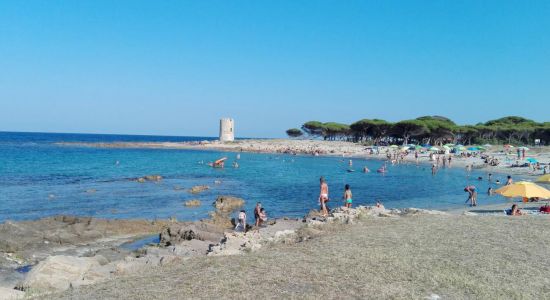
<point x="260" y="217"/>
<point x="472" y="191"/>
<point x="324" y="197"/>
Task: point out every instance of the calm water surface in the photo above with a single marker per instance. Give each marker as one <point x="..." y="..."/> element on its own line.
<point x="39" y="178"/>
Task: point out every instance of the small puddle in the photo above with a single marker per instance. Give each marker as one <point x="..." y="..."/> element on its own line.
<point x="24" y="269"/>
<point x="137" y="244"/>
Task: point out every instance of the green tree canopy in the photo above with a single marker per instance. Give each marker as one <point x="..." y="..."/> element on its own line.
<point x="294" y="132"/>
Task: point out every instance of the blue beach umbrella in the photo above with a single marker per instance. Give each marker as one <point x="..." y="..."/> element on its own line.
<point x="473" y="148"/>
<point x="532" y="160"/>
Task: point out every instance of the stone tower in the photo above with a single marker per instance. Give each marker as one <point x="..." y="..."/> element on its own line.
<point x="227" y="130"/>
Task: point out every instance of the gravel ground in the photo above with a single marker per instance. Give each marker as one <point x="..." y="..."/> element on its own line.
<point x="454" y="257"/>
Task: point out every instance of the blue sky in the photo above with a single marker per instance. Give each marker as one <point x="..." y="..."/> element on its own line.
<point x="176" y="67"/>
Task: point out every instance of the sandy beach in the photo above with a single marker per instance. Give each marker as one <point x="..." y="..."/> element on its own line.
<point x="345" y="149"/>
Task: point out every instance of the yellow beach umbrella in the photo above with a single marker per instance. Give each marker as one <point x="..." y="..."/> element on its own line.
<point x="524" y="189"/>
<point x="544" y="178"/>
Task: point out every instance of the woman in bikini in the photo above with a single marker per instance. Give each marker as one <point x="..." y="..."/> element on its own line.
<point x="323" y="196"/>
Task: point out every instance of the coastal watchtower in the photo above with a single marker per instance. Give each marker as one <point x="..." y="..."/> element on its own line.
<point x="227" y="130"/>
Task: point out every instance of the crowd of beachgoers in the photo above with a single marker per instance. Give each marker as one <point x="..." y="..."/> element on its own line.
<point x="231" y="230"/>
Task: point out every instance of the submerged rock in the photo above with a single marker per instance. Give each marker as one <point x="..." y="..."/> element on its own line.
<point x="153" y="178"/>
<point x="191" y="203"/>
<point x="198" y="189"/>
<point x="227" y="203"/>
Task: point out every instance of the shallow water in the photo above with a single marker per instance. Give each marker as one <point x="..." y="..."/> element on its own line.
<point x="140" y="243"/>
<point x="39" y="178"/>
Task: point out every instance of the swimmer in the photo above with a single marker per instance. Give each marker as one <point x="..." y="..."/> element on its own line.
<point x="366" y="170"/>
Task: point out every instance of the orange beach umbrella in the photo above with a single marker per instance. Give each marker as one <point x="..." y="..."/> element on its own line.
<point x="524" y="189"/>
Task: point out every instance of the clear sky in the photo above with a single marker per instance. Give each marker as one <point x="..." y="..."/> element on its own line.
<point x="176" y="67"/>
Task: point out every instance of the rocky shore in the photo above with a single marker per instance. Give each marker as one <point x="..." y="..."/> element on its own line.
<point x="66" y="252"/>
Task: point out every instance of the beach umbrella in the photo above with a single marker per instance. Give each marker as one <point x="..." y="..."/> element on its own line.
<point x="446" y="147"/>
<point x="434" y="149"/>
<point x="544" y="178"/>
<point x="426" y="146"/>
<point x="473" y="149"/>
<point x="524" y="189"/>
<point x="394" y="146"/>
<point x="405" y="148"/>
<point x="488" y="145"/>
<point x="532" y="160"/>
<point x="418" y="147"/>
<point x="481" y="148"/>
<point x="523" y="148"/>
<point x="460" y="148"/>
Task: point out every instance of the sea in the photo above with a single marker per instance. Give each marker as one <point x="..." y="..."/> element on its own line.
<point x="39" y="177"/>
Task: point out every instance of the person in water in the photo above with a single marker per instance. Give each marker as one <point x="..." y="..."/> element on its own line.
<point x="347" y="196"/>
<point x="509" y="180"/>
<point x="366" y="170"/>
<point x="472" y="195"/>
<point x="434" y="169"/>
<point x="323" y="196"/>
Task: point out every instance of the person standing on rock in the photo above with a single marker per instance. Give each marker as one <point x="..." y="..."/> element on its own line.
<point x="323" y="196"/>
<point x="257" y="211"/>
<point x="241" y="222"/>
<point x="347" y="196"/>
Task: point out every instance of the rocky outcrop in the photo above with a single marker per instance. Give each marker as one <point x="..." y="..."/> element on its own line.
<point x="227" y="203"/>
<point x="198" y="189"/>
<point x="32" y="241"/>
<point x="58" y="273"/>
<point x="192" y="203"/>
<point x="176" y="233"/>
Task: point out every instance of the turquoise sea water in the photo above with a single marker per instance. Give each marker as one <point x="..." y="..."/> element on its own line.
<point x="39" y="178"/>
